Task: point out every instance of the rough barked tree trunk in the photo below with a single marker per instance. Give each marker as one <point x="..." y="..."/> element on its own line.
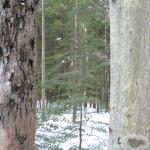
<point x="17" y="103"/>
<point x="130" y="75"/>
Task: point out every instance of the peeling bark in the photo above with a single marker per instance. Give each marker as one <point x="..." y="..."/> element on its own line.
<point x="130" y="75"/>
<point x="17" y="103"/>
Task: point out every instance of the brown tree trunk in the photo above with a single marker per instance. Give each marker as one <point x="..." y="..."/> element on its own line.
<point x="17" y="102"/>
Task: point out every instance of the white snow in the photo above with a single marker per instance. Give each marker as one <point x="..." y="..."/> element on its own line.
<point x="58" y="39"/>
<point x="94" y="130"/>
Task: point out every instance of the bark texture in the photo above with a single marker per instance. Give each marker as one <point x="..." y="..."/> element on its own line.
<point x="17" y="103"/>
<point x="130" y="75"/>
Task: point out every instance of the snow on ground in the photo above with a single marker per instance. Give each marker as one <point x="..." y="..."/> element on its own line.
<point x="60" y="133"/>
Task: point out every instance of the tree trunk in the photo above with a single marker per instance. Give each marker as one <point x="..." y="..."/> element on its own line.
<point x="130" y="75"/>
<point x="17" y="103"/>
<point x="80" y="128"/>
<point x="43" y="94"/>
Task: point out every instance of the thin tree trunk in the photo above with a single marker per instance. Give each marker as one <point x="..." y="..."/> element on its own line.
<point x="43" y="55"/>
<point x="80" y="129"/>
<point x="17" y="102"/>
<point x="75" y="45"/>
<point x="130" y="75"/>
<point x="75" y="61"/>
<point x="74" y="113"/>
<point x="105" y="30"/>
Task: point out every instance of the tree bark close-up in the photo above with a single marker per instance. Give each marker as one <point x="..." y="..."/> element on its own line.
<point x="17" y="94"/>
<point x="130" y="75"/>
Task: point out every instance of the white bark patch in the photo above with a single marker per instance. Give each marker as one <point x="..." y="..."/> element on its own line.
<point x="5" y="85"/>
<point x="134" y="142"/>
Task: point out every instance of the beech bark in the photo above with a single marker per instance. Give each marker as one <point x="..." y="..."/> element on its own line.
<point x="17" y="48"/>
<point x="130" y="75"/>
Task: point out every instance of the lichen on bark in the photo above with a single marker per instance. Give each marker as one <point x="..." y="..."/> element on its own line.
<point x="130" y="73"/>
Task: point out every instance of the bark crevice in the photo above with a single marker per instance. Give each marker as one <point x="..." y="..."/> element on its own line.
<point x="17" y="83"/>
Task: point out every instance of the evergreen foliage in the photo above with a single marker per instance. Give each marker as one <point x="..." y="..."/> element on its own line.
<point x="63" y="79"/>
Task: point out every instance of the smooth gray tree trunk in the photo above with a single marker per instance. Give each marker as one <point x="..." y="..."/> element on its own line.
<point x="17" y="102"/>
<point x="130" y="75"/>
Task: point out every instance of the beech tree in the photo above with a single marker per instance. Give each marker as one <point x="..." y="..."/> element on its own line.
<point x="17" y="102"/>
<point x="130" y="75"/>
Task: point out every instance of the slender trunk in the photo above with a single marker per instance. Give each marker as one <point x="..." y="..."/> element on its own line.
<point x="105" y="30"/>
<point x="103" y="84"/>
<point x="75" y="26"/>
<point x="74" y="113"/>
<point x="43" y="55"/>
<point x="80" y="129"/>
<point x="130" y="75"/>
<point x="17" y="82"/>
<point x="85" y="63"/>
<point x="74" y="49"/>
<point x="75" y="46"/>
